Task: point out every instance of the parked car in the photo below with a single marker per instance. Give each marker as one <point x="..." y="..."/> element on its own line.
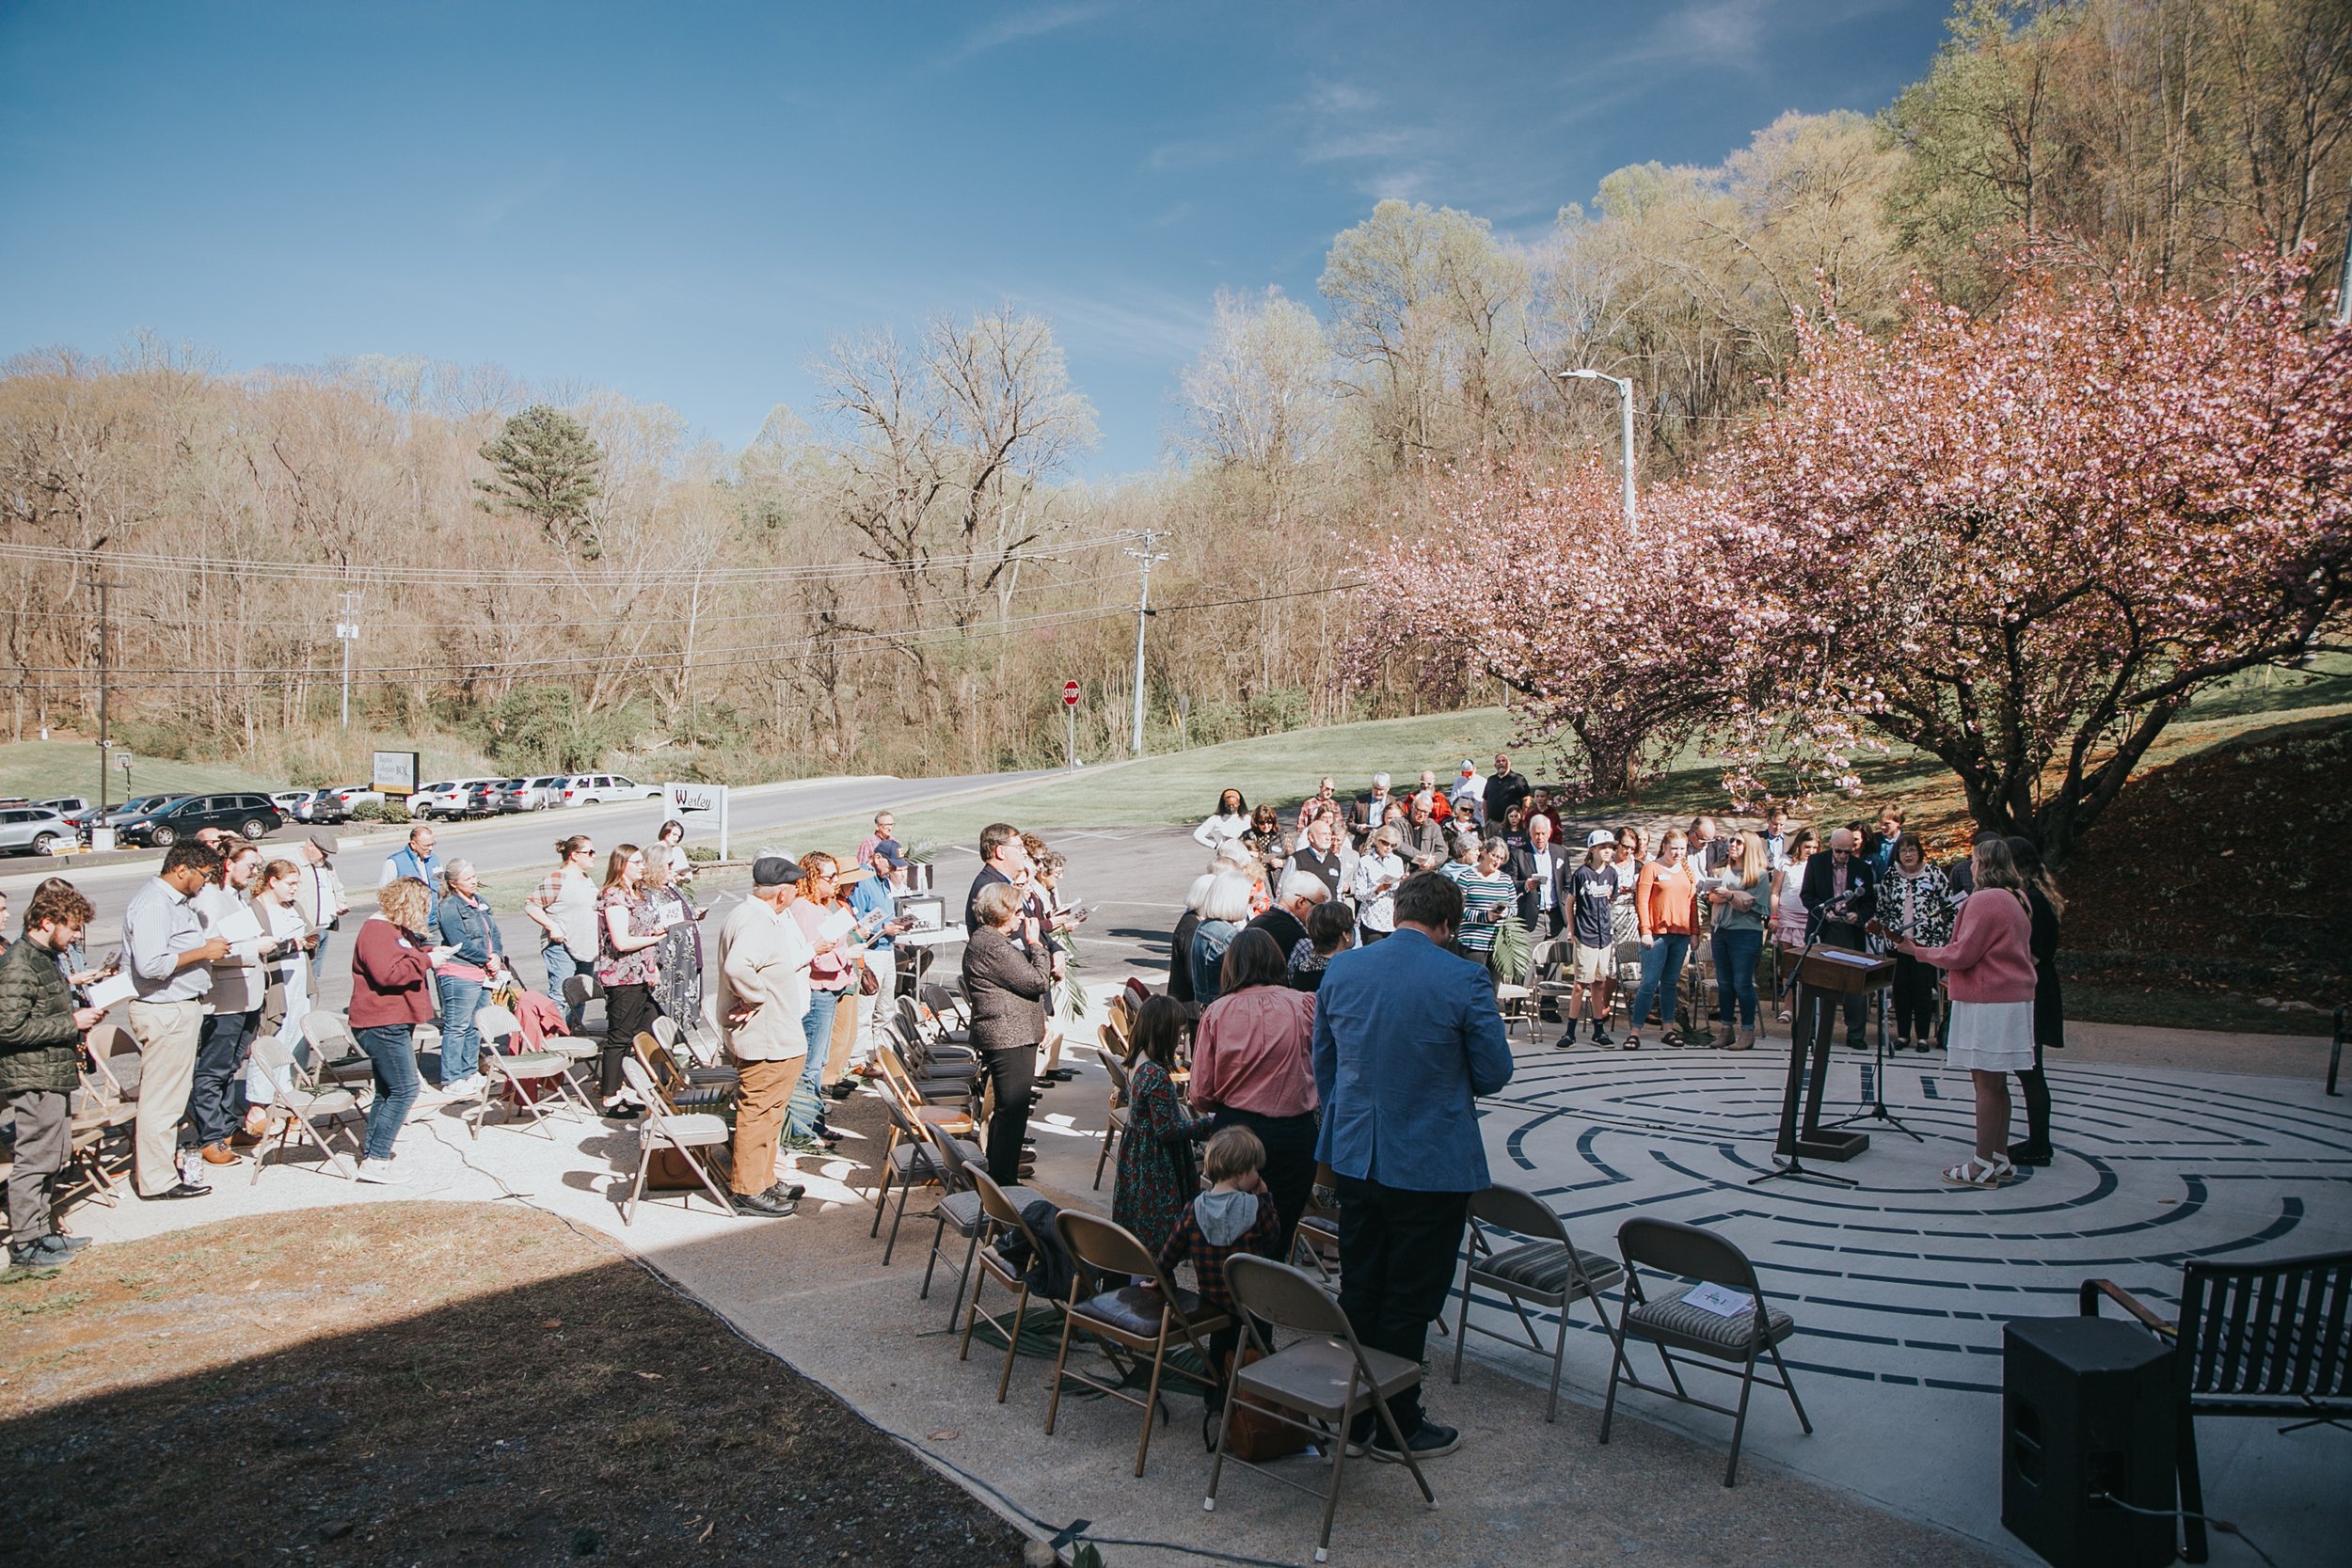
<point x="492" y="797"/>
<point x="445" y="798"/>
<point x="290" y="802"/>
<point x="324" y="808"/>
<point x="589" y="789"/>
<point x="34" y="831"/>
<point x="349" y="798"/>
<point x="249" y="816"/>
<point x="544" y="791"/>
<point x="138" y="805"/>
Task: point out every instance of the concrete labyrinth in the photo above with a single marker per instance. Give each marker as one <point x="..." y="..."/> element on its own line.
<point x="1901" y="1285"/>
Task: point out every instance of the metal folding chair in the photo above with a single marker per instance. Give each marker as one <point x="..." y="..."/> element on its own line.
<point x="958" y="1210"/>
<point x="1127" y="1320"/>
<point x="1000" y="1216"/>
<point x="1319" y="1384"/>
<point x="662" y="1128"/>
<point x="524" y="1075"/>
<point x="1545" y="1268"/>
<point x="1674" y="1322"/>
<point x="307" y="1104"/>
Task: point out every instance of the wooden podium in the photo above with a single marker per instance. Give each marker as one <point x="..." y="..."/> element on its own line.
<point x="1825" y="977"/>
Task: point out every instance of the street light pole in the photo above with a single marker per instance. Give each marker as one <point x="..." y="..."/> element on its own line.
<point x="1625" y="407"/>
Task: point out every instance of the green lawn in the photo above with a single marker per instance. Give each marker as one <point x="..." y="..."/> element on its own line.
<point x="43" y="769"/>
<point x="1182" y="786"/>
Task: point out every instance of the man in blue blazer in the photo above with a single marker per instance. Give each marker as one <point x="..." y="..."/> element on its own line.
<point x="1406" y="1038"/>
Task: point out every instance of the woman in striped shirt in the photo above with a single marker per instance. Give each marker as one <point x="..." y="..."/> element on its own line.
<point x="1488" y="895"/>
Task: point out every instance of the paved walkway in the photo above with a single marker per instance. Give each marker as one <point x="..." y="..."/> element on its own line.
<point x="1899" y="1286"/>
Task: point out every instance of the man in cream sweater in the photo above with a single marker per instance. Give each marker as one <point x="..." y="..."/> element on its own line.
<point x="762" y="992"/>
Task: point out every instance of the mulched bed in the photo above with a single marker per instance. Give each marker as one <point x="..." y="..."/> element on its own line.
<point x="430" y="1383"/>
<point x="2218" y="873"/>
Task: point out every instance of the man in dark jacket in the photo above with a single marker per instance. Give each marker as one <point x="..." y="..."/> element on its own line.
<point x="41" y="1033"/>
<point x="1840" y="894"/>
<point x="1505" y="789"/>
<point x="1540" y="872"/>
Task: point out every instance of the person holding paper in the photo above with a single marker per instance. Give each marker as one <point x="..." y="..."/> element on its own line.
<point x="391" y="992"/>
<point x="171" y="970"/>
<point x="463" y="924"/>
<point x="40" y="1032"/>
<point x="825" y="920"/>
<point x="235" y="1003"/>
<point x="629" y="928"/>
<point x="278" y="907"/>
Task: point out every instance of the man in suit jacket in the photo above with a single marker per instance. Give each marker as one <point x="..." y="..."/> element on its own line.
<point x="1845" y="880"/>
<point x="1319" y="855"/>
<point x="1365" y="817"/>
<point x="1002" y="858"/>
<point x="1541" y="873"/>
<point x="1406" y="1040"/>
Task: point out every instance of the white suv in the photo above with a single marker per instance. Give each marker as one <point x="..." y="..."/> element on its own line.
<point x="446" y="799"/>
<point x="589" y="789"/>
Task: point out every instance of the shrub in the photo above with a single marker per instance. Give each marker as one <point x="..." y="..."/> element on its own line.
<point x="699" y="853"/>
<point x="380" y="811"/>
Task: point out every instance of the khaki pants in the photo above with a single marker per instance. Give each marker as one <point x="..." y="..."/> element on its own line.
<point x="844" y="1041"/>
<point x="166" y="1033"/>
<point x="760" y="1098"/>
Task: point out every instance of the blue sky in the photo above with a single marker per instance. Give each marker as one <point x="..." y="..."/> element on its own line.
<point x="684" y="201"/>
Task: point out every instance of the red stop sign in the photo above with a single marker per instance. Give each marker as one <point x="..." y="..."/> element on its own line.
<point x="1069" y="693"/>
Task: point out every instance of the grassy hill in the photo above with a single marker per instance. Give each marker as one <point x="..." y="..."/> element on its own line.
<point x="41" y="769"/>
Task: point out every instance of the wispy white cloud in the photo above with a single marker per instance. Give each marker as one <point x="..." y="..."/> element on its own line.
<point x="1134" y="322"/>
<point x="1017" y="26"/>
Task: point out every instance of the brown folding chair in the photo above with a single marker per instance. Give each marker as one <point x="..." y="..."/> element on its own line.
<point x="1127" y="1320"/>
<point x="1545" y="1268"/>
<point x="908" y="1162"/>
<point x="1672" y="1323"/>
<point x="100" y="1110"/>
<point x="1319" y="1384"/>
<point x="1115" y="1127"/>
<point x="1002" y="1218"/>
<point x="661" y="1128"/>
<point x="958" y="1209"/>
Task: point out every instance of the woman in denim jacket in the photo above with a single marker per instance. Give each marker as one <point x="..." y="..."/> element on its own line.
<point x="463" y="921"/>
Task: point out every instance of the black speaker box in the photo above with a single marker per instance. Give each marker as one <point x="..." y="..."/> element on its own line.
<point x="2087" y="1414"/>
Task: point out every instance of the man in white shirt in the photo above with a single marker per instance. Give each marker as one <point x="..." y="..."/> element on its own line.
<point x="758" y="1001"/>
<point x="169" y="957"/>
<point x="235" y="1002"/>
<point x="1540" y="870"/>
<point x="1468" y="795"/>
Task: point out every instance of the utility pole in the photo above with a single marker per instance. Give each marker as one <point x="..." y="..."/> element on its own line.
<point x="1147" y="555"/>
<point x="347" y="632"/>
<point x="99" y="585"/>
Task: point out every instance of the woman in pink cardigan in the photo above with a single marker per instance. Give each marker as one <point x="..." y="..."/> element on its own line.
<point x="1987" y="966"/>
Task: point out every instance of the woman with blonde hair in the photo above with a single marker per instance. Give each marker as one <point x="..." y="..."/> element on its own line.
<point x="824" y="918"/>
<point x="1740" y="896"/>
<point x="1988" y="967"/>
<point x="391" y="992"/>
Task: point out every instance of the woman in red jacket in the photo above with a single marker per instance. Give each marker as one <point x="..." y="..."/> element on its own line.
<point x="391" y="992"/>
<point x="1987" y="966"/>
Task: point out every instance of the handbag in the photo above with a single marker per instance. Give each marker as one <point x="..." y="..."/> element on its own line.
<point x="1252" y="1435"/>
<point x="869" y="983"/>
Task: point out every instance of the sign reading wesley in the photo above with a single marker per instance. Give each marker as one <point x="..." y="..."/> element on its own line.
<point x="393" y="772"/>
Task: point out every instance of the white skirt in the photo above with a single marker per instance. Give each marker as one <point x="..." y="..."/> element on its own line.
<point x="1991" y="1036"/>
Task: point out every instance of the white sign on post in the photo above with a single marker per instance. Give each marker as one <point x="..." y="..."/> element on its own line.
<point x="682" y="800"/>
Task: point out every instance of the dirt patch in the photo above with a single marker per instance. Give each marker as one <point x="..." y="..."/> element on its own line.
<point x="430" y="1383"/>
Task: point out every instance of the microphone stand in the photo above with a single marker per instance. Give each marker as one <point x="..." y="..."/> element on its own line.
<point x="1875" y="1109"/>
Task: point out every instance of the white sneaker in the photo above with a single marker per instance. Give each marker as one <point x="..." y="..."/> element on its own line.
<point x="466" y="1088"/>
<point x="380" y="1173"/>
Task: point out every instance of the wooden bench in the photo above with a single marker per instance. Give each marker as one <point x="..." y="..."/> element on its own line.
<point x="2268" y="1340"/>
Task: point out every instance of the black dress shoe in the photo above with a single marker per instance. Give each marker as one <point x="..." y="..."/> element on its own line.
<point x="764" y="1205"/>
<point x="2029" y="1154"/>
<point x="842" y="1088"/>
<point x="179" y="1189"/>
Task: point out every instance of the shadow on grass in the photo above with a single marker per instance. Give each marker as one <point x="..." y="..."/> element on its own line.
<point x="590" y="1413"/>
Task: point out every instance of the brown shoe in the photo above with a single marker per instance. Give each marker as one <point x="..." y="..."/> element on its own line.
<point x="1746" y="1041"/>
<point x="242" y="1139"/>
<point x="220" y="1154"/>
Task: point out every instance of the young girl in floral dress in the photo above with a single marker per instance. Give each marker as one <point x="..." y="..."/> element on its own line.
<point x="1155" y="1171"/>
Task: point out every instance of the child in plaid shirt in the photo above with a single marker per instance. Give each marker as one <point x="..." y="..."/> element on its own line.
<point x="1235" y="1214"/>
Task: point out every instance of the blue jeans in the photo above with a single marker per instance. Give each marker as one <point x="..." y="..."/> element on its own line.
<point x="390" y="1046"/>
<point x="212" y="1094"/>
<point x="1661" y="970"/>
<point x="562" y="966"/>
<point x="807" y="1109"/>
<point x="461" y="1047"/>
<point x="318" y="959"/>
<point x="1735" y="955"/>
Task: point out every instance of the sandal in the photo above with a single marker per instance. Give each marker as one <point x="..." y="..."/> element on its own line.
<point x="1977" y="1171"/>
<point x="1633" y="1042"/>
